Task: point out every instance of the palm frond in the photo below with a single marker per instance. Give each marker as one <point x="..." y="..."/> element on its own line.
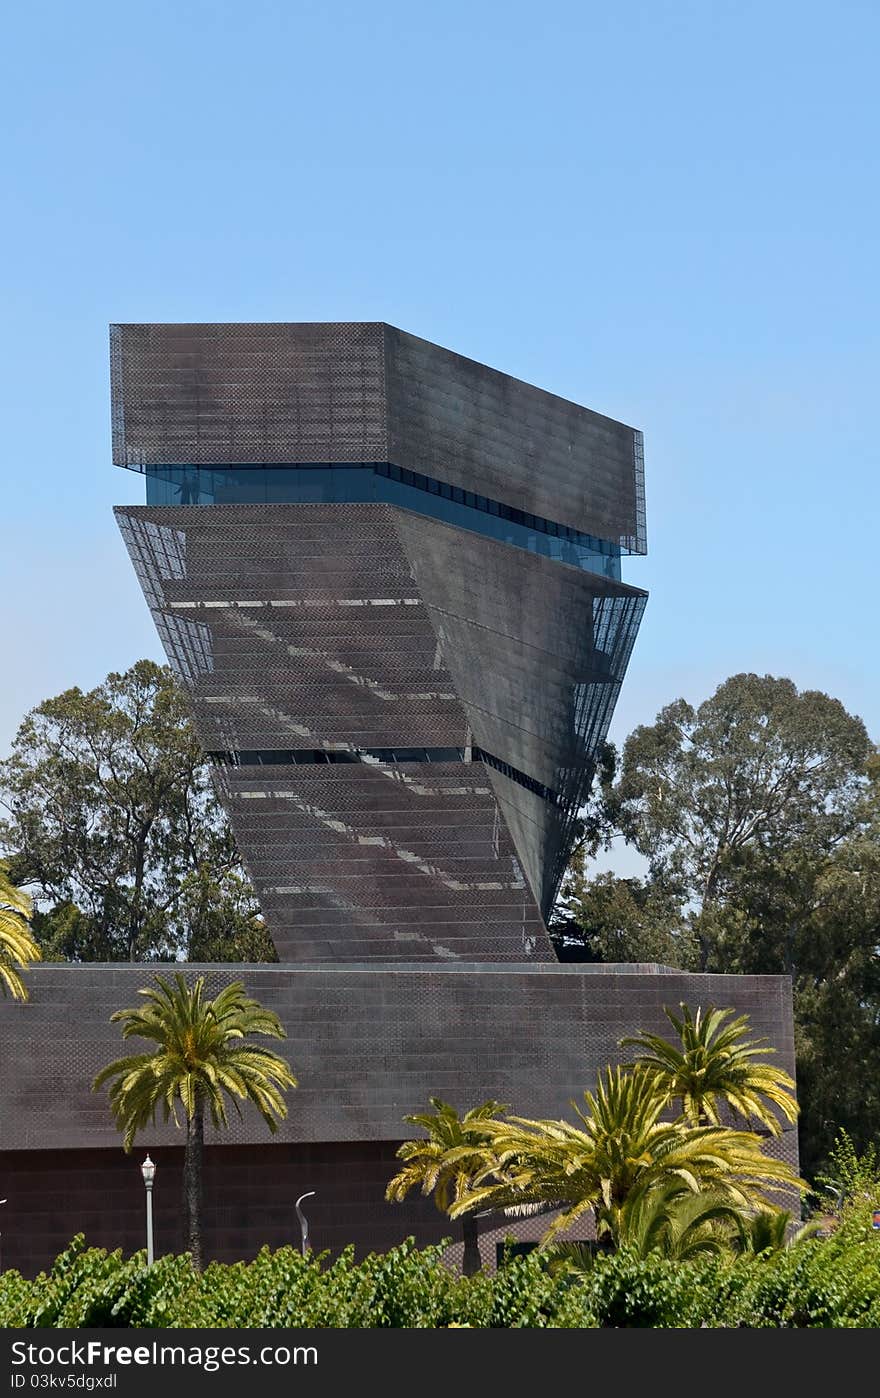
<point x="202" y="1057"/>
<point x="17" y="946"/>
<point x="713" y="1064"/>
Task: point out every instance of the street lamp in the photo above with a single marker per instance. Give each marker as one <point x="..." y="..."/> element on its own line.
<point x="303" y="1221"/>
<point x="148" y="1170"/>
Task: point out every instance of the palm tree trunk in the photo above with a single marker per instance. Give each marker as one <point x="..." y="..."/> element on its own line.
<point x="192" y="1183"/>
<point x="471" y="1261"/>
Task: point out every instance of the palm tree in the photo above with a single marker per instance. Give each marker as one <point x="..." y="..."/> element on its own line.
<point x="445" y="1163"/>
<point x="17" y="947"/>
<point x="670" y="1220"/>
<point x="201" y="1059"/>
<point x="714" y="1063"/>
<point x="680" y="1224"/>
<point x="620" y="1153"/>
<point x="770" y="1230"/>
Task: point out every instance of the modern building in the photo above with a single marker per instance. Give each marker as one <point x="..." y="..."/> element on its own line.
<point x="390" y="578"/>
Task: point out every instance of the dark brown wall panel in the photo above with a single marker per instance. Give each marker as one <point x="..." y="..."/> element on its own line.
<point x="457" y="419"/>
<point x="343" y="628"/>
<point x="226" y="394"/>
<point x="368" y="1043"/>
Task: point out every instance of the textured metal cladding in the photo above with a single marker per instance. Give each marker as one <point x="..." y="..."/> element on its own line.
<point x="247" y="394"/>
<point x="368" y="1044"/>
<point x="481" y="429"/>
<point x="537" y="652"/>
<point x="365" y="628"/>
<point x="301" y="627"/>
<point x="327" y="626"/>
<point x="219" y="394"/>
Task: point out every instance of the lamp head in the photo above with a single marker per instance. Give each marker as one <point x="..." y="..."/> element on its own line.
<point x="148" y="1170"/>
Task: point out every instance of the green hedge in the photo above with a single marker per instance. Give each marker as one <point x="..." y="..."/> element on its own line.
<point x="831" y="1283"/>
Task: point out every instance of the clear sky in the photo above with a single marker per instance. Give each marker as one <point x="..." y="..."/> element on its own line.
<point x="667" y="211"/>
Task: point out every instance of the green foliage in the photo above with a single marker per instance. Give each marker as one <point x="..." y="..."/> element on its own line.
<point x="757" y="767"/>
<point x="444" y="1161"/>
<point x="202" y="1057"/>
<point x="112" y="820"/>
<point x="17" y="946"/>
<point x="758" y="812"/>
<point x="613" y="919"/>
<point x="618" y="1153"/>
<point x="852" y="1182"/>
<point x="91" y="1287"/>
<point x="628" y="1290"/>
<point x="830" y="1284"/>
<point x="715" y="1064"/>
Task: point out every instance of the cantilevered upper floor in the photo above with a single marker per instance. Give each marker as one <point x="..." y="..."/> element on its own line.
<point x="362" y="412"/>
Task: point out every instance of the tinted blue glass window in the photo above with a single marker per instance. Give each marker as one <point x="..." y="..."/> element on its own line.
<point x="385" y="484"/>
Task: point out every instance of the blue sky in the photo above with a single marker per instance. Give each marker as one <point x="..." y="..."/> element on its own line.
<point x="666" y="211"/>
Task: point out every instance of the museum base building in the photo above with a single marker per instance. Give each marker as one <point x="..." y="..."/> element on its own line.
<point x="390" y="579"/>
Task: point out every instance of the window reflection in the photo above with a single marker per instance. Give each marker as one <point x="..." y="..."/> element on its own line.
<point x="383" y="484"/>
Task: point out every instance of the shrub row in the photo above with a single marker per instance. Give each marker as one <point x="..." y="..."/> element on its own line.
<point x="831" y="1283"/>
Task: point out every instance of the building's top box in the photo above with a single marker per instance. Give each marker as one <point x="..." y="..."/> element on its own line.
<point x="309" y="394"/>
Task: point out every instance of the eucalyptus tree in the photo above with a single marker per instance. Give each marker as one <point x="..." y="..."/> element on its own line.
<point x="756" y="772"/>
<point x="112" y="822"/>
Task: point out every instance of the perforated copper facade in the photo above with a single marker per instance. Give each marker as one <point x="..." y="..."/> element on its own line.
<point x="368" y="1044"/>
<point x="405" y="713"/>
<point x="215" y="395"/>
<point x="344" y="630"/>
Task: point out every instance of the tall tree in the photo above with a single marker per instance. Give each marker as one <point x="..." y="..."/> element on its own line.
<point x="755" y="772"/>
<point x="17" y="947"/>
<point x="607" y="918"/>
<point x="202" y="1058"/>
<point x="113" y="822"/>
<point x="759" y="815"/>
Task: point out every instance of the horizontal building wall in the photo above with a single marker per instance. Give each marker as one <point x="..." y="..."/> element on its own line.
<point x="249" y="1201"/>
<point x="248" y="1204"/>
<point x="286" y="394"/>
<point x="368" y="1044"/>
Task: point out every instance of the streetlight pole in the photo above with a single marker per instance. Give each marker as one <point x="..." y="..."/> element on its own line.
<point x="303" y="1221"/>
<point x="148" y="1171"/>
<point x="2" y="1201"/>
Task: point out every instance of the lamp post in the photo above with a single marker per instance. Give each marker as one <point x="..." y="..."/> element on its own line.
<point x="2" y="1201"/>
<point x="303" y="1221"/>
<point x="148" y="1170"/>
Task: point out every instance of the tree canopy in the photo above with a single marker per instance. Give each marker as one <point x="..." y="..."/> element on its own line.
<point x="758" y="815"/>
<point x="112" y="822"/>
